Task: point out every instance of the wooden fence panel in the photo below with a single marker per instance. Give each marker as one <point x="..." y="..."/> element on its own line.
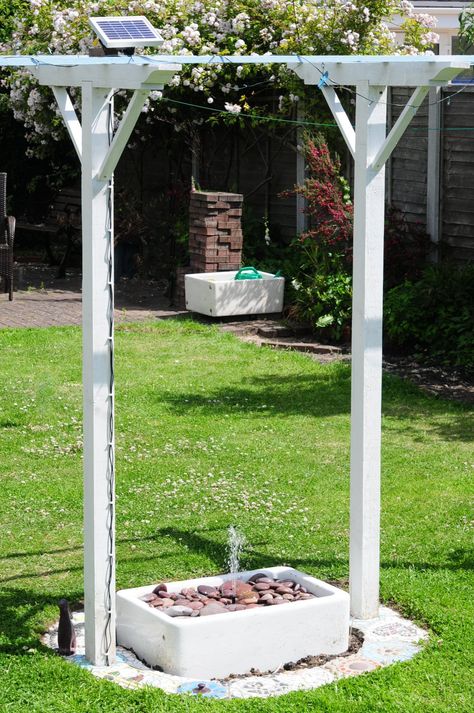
<point x="457" y="175"/>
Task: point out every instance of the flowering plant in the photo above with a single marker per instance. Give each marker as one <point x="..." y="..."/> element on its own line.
<point x="322" y="284"/>
<point x="208" y="27"/>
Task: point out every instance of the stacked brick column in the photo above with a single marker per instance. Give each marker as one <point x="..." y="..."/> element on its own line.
<point x="215" y="235"/>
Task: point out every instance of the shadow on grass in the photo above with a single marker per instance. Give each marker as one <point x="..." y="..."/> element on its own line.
<point x="325" y="394"/>
<point x="19" y="609"/>
<point x="319" y="395"/>
<point x="461" y="559"/>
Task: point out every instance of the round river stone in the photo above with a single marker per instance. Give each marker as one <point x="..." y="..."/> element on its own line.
<point x="213" y="608"/>
<point x="179" y="611"/>
<point x="207" y="591"/>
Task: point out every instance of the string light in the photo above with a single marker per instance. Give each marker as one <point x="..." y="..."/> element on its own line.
<point x="110" y="469"/>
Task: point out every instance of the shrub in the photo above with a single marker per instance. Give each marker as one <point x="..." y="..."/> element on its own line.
<point x="322" y="285"/>
<point x="405" y="249"/>
<point x="435" y="315"/>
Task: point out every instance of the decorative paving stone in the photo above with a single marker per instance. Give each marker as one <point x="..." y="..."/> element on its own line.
<point x="388" y="639"/>
<point x="258" y="687"/>
<point x="351" y="666"/>
<point x="386" y="653"/>
<point x="399" y="629"/>
<point x="204" y="689"/>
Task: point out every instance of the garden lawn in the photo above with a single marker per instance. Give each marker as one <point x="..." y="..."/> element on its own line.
<point x="211" y="432"/>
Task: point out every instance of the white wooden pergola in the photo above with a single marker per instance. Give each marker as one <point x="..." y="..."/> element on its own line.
<point x="99" y="150"/>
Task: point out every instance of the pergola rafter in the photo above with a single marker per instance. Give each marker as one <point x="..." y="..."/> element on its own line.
<point x="99" y="151"/>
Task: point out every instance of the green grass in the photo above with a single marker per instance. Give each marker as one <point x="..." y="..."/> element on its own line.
<point x="211" y="432"/>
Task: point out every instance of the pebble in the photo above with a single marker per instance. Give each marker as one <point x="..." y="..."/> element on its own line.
<point x="179" y="611"/>
<point x="232" y="595"/>
<point x="243" y="588"/>
<point x="207" y="591"/>
<point x="182" y="603"/>
<point x="149" y="598"/>
<point x="160" y="588"/>
<point x="284" y="590"/>
<point x="213" y="608"/>
<point x="251" y="598"/>
<point x="195" y="606"/>
<point x="167" y="602"/>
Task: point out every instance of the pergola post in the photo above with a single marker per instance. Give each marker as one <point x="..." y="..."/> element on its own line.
<point x="97" y="305"/>
<point x="369" y="198"/>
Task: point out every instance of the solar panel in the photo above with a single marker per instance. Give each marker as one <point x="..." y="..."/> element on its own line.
<point x="125" y="31"/>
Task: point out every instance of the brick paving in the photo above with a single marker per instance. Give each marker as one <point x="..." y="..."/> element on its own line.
<point x="43" y="301"/>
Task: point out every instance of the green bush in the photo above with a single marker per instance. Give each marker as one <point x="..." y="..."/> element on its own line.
<point x="324" y="300"/>
<point x="434" y="317"/>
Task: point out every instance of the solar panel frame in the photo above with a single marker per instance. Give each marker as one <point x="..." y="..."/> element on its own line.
<point x="121" y="31"/>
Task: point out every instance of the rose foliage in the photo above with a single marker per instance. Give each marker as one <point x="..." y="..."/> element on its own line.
<point x="221" y="27"/>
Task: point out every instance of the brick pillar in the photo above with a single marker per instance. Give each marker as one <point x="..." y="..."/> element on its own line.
<point x="215" y="232"/>
<point x="215" y="235"/>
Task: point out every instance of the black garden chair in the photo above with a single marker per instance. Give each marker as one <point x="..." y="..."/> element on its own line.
<point x="7" y="237"/>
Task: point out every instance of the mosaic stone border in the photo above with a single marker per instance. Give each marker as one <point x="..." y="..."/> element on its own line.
<point x="388" y="639"/>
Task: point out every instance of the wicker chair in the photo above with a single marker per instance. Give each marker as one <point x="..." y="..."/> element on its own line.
<point x="7" y="237"/>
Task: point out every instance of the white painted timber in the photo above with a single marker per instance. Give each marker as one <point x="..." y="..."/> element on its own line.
<point x="127" y="124"/>
<point x="234" y="642"/>
<point x="129" y="76"/>
<point x="400" y="127"/>
<point x="433" y="169"/>
<point x="99" y="551"/>
<point x="342" y="120"/>
<point x="70" y="119"/>
<point x="380" y="71"/>
<point x="218" y="294"/>
<point x="369" y="194"/>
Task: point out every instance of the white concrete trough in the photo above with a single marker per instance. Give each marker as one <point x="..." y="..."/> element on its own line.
<point x="234" y="642"/>
<point x="219" y="294"/>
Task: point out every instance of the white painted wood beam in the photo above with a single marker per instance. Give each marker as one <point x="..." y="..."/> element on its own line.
<point x="97" y="310"/>
<point x="379" y="71"/>
<point x="70" y="119"/>
<point x="366" y="381"/>
<point x="400" y="127"/>
<point x="123" y="134"/>
<point x="342" y="120"/>
<point x="128" y="75"/>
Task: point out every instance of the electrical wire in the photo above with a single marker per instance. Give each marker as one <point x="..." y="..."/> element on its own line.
<point x="298" y="122"/>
